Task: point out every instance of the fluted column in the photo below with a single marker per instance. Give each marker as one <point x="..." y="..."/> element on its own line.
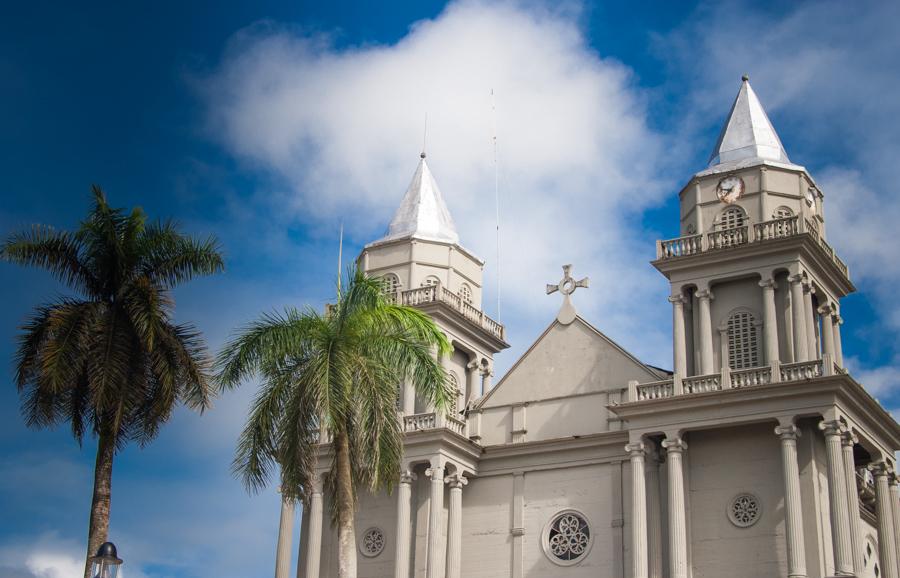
<point x="285" y="537"/>
<point x="435" y="516"/>
<point x="486" y="374"/>
<point x="812" y="346"/>
<point x="856" y="542"/>
<point x="770" y="321"/>
<point x="887" y="541"/>
<point x="793" y="508"/>
<point x="314" y="528"/>
<point x="827" y="332"/>
<point x="837" y="497"/>
<point x="706" y="335"/>
<point x="409" y="398"/>
<point x="679" y="339"/>
<point x="404" y="525"/>
<point x="895" y="506"/>
<point x="639" y="550"/>
<point x="836" y="321"/>
<point x="798" y="318"/>
<point x="677" y="514"/>
<point x="454" y="530"/>
<point x="654" y="517"/>
<point x="472" y="380"/>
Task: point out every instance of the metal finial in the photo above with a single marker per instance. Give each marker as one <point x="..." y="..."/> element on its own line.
<point x="567" y="286"/>
<point x="746" y="78"/>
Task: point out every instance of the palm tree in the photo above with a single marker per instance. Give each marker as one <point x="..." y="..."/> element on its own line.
<point x="109" y="360"/>
<point x="340" y="370"/>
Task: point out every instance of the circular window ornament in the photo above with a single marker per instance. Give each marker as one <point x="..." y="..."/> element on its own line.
<point x="372" y="542"/>
<point x="744" y="510"/>
<point x="567" y="539"/>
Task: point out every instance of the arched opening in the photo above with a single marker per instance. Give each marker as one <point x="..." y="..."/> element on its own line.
<point x="465" y="293"/>
<point x="743" y="340"/>
<point x="390" y="283"/>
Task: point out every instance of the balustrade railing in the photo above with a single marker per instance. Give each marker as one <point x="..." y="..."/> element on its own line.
<point x="456" y="425"/>
<point x="439" y="294"/>
<point x="750" y="377"/>
<point x="419" y="421"/>
<point x="655" y="390"/>
<point x="801" y="370"/>
<point x="762" y="232"/>
<point x="702" y="383"/>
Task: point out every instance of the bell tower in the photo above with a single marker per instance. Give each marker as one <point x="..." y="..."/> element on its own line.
<point x="422" y="264"/>
<point x="754" y="281"/>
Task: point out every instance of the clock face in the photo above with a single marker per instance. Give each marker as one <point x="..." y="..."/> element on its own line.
<point x="730" y="189"/>
<point x="811" y="198"/>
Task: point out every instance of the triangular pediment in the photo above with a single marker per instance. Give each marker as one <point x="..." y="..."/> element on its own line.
<point x="568" y="360"/>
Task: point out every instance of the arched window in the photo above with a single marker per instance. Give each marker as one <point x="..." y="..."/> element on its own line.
<point x="465" y="293"/>
<point x="782" y="213"/>
<point x="743" y="340"/>
<point x="430" y="281"/>
<point x="732" y="218"/>
<point x="390" y="283"/>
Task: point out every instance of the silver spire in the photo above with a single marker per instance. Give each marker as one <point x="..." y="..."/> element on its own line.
<point x="422" y="213"/>
<point x="748" y="133"/>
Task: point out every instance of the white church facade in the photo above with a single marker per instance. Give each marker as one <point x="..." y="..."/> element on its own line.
<point x="758" y="456"/>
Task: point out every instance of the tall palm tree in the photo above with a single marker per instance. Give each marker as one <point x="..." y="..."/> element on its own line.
<point x="109" y="360"/>
<point x="340" y="370"/>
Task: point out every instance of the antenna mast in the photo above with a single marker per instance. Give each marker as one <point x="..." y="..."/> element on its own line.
<point x="340" y="258"/>
<point x="496" y="194"/>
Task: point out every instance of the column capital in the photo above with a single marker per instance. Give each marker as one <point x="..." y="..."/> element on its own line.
<point x="636" y="449"/>
<point x="881" y="469"/>
<point x="836" y="318"/>
<point x="473" y="365"/>
<point x="894" y="480"/>
<point x="674" y="445"/>
<point x="833" y="427"/>
<point x="808" y="288"/>
<point x="798" y="278"/>
<point x="768" y="284"/>
<point x="316" y="484"/>
<point x="435" y="474"/>
<point x="677" y="299"/>
<point x="788" y="432"/>
<point x="408" y="477"/>
<point x="825" y="309"/>
<point x="705" y="294"/>
<point x="456" y="481"/>
<point x="849" y="440"/>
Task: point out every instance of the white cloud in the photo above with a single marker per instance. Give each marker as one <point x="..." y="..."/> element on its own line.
<point x="340" y="128"/>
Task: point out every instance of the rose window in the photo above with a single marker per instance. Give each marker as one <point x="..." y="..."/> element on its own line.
<point x="745" y="510"/>
<point x="372" y="543"/>
<point x="568" y="538"/>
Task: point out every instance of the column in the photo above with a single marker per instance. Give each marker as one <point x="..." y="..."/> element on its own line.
<point x="837" y="497"/>
<point x="471" y="380"/>
<point x="654" y="516"/>
<point x="314" y="540"/>
<point x="404" y="523"/>
<point x="677" y="515"/>
<point x="454" y="531"/>
<point x="836" y="322"/>
<point x="770" y="320"/>
<point x="856" y="542"/>
<point x="793" y="508"/>
<point x="285" y="537"/>
<point x="409" y="398"/>
<point x="486" y="374"/>
<point x="679" y="347"/>
<point x="799" y="318"/>
<point x="435" y="515"/>
<point x="827" y="332"/>
<point x="895" y="506"/>
<point x="706" y="336"/>
<point x="887" y="541"/>
<point x="812" y="346"/>
<point x="639" y="551"/>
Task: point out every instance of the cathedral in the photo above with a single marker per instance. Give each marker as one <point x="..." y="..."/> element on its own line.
<point x="757" y="456"/>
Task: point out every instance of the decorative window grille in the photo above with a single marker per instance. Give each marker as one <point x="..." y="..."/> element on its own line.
<point x="744" y="510"/>
<point x="871" y="567"/>
<point x="465" y="292"/>
<point x="732" y="218"/>
<point x="390" y="283"/>
<point x="567" y="539"/>
<point x="743" y="341"/>
<point x="454" y="386"/>
<point x="372" y="542"/>
<point x="430" y="281"/>
<point x="782" y="213"/>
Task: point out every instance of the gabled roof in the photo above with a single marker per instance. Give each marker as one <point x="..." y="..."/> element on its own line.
<point x="748" y="134"/>
<point x="422" y="214"/>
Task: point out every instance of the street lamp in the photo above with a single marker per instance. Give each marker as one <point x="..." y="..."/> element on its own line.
<point x="105" y="564"/>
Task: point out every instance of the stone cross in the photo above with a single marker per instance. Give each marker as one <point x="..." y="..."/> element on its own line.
<point x="567" y="286"/>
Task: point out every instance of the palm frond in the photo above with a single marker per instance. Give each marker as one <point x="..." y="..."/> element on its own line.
<point x="59" y="252"/>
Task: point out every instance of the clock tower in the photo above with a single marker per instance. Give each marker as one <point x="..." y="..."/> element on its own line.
<point x="754" y="281"/>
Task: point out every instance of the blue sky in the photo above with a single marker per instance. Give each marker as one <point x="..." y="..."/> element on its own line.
<point x="268" y="123"/>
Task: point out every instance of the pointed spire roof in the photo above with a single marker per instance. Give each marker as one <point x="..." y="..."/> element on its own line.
<point x="422" y="213"/>
<point x="748" y="134"/>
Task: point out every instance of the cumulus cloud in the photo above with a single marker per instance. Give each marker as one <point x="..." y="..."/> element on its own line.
<point x="340" y="129"/>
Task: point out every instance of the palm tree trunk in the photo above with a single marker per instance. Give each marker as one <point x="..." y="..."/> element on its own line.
<point x="345" y="508"/>
<point x="99" y="526"/>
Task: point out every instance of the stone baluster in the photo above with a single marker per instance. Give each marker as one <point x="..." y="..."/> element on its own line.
<point x="706" y="333"/>
<point x="793" y="507"/>
<point x="798" y="318"/>
<point x="675" y="447"/>
<point x="435" y="515"/>
<point x="454" y="531"/>
<point x="404" y="523"/>
<point x="679" y="340"/>
<point x="836" y="322"/>
<point x="314" y="528"/>
<point x="285" y="537"/>
<point x="770" y="322"/>
<point x="654" y="516"/>
<point x="856" y="543"/>
<point x="812" y="345"/>
<point x="837" y="497"/>
<point x="639" y="549"/>
<point x="887" y="540"/>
